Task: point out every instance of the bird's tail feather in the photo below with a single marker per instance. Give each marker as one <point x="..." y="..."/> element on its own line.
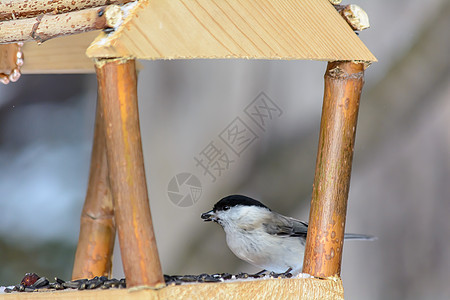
<point x="363" y="237"/>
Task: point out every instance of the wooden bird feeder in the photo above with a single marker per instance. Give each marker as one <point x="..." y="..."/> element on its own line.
<point x="186" y="29"/>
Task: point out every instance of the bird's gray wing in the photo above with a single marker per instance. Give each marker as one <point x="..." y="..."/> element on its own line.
<point x="360" y="237"/>
<point x="285" y="226"/>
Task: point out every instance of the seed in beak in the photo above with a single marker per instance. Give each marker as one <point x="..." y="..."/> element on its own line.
<point x="208" y="216"/>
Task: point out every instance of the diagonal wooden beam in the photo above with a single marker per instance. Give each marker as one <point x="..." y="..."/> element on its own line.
<point x="22" y="9"/>
<point x="48" y="26"/>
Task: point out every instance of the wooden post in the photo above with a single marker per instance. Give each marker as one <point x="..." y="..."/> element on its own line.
<point x="324" y="242"/>
<point x="97" y="229"/>
<point x="117" y="88"/>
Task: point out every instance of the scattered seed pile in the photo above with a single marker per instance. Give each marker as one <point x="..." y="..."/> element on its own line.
<point x="32" y="282"/>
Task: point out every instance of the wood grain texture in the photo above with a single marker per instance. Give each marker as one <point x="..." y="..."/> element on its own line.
<point x="117" y="89"/>
<point x="61" y="55"/>
<point x="97" y="229"/>
<point x="45" y="27"/>
<point x="324" y="242"/>
<point x="20" y="9"/>
<point x="266" y="29"/>
<point x="8" y="57"/>
<point x="306" y="289"/>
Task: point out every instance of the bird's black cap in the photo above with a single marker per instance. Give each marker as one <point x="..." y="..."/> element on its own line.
<point x="235" y="200"/>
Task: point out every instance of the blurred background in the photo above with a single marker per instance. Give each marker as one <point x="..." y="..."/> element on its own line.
<point x="401" y="171"/>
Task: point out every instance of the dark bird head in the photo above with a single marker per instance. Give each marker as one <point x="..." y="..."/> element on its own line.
<point x="228" y="202"/>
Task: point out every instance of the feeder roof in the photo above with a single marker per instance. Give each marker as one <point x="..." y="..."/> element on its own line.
<point x="263" y="29"/>
<point x="60" y="55"/>
<point x="187" y="29"/>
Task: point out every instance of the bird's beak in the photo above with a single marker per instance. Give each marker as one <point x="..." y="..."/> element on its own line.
<point x="209" y="216"/>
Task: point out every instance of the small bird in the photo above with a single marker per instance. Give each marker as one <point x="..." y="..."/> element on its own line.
<point x="262" y="237"/>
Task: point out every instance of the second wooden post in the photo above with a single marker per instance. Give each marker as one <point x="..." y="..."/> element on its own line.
<point x="117" y="87"/>
<point x="97" y="227"/>
<point x="324" y="242"/>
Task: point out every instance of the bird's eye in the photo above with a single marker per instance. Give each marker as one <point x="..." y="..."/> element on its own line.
<point x="226" y="207"/>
